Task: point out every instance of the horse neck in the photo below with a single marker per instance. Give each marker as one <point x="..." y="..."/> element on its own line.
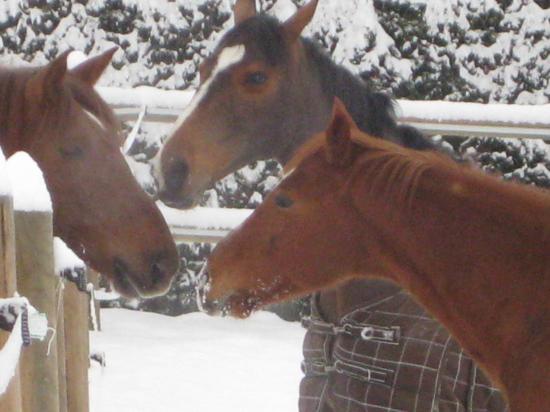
<point x="372" y="112"/>
<point x="319" y="81"/>
<point x="471" y="248"/>
<point x="12" y="106"/>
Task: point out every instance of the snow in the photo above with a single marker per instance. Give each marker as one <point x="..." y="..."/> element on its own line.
<point x="64" y="257"/>
<point x="9" y="356"/>
<point x="195" y="363"/>
<point x="145" y="96"/>
<point x="475" y="112"/>
<point x="29" y="189"/>
<point x="204" y="217"/>
<point x="76" y="58"/>
<point x="142" y="173"/>
<point x="5" y="185"/>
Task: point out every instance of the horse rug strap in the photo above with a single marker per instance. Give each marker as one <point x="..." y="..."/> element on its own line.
<point x="390" y="335"/>
<point x="389" y="355"/>
<point x="320" y="367"/>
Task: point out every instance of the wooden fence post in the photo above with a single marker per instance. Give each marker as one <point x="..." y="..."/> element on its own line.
<point x="37" y="281"/>
<point x="11" y="400"/>
<point x="77" y="348"/>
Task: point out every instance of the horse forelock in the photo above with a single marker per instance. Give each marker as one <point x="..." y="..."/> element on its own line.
<point x="263" y="35"/>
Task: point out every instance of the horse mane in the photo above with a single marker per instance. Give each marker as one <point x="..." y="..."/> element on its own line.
<point x="394" y="171"/>
<point x="373" y="112"/>
<point x="390" y="169"/>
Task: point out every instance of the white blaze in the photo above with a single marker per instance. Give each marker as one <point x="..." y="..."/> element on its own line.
<point x="227" y="58"/>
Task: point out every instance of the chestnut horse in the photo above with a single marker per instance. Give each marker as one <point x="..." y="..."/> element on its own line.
<point x="99" y="210"/>
<point x="474" y="250"/>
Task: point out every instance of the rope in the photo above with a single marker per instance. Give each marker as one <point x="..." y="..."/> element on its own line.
<point x="60" y="288"/>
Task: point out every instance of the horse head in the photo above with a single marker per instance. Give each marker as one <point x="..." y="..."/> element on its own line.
<point x="256" y="92"/>
<point x="99" y="209"/>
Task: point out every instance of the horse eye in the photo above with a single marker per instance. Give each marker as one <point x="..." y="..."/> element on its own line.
<point x="283" y="201"/>
<point x="256" y="78"/>
<point x="71" y="152"/>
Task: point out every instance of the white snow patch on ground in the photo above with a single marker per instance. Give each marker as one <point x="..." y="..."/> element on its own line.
<point x="29" y="189"/>
<point x="195" y="363"/>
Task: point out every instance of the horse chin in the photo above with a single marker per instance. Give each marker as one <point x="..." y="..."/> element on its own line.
<point x="120" y="279"/>
<point x="125" y="287"/>
<point x="242" y="305"/>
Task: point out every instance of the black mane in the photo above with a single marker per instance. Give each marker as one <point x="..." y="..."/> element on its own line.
<point x="373" y="112"/>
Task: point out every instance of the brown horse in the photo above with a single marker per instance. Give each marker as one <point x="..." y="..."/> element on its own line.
<point x="98" y="208"/>
<point x="474" y="250"/>
<point x="263" y="92"/>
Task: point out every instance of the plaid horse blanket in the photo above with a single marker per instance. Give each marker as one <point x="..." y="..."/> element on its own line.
<point x="389" y="355"/>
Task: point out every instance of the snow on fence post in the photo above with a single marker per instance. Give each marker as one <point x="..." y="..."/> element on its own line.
<point x="11" y="399"/>
<point x="37" y="281"/>
<point x="94" y="279"/>
<point x="77" y="343"/>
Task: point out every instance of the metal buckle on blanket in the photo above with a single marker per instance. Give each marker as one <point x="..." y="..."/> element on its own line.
<point x="390" y="334"/>
<point x="318" y="326"/>
<point x="366" y="374"/>
<point x="318" y="367"/>
<point x="371" y="374"/>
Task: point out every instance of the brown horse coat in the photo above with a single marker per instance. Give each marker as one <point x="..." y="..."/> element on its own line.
<point x="471" y="248"/>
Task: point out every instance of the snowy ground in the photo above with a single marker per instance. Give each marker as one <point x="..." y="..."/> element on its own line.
<point x="195" y="363"/>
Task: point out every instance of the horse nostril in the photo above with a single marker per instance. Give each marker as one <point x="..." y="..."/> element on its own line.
<point x="176" y="175"/>
<point x="157" y="273"/>
<point x="161" y="270"/>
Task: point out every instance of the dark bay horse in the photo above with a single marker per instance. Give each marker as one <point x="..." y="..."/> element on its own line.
<point x="263" y="92"/>
<point x="474" y="250"/>
<point x="99" y="210"/>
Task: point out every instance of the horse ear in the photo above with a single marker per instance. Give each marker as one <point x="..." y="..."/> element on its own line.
<point x="91" y="70"/>
<point x="244" y="9"/>
<point x="48" y="80"/>
<point x="294" y="26"/>
<point x="338" y="135"/>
